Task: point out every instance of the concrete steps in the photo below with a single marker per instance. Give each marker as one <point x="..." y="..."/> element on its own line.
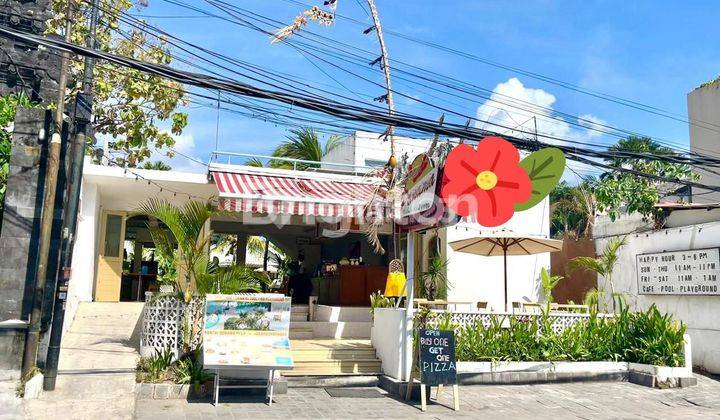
<point x="327" y="357"/>
<point x="336" y="330"/>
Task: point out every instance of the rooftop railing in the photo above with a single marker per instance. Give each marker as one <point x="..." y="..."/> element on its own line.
<point x="233" y="158"/>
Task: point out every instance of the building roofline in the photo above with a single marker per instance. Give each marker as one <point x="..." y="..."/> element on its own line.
<point x="93" y="170"/>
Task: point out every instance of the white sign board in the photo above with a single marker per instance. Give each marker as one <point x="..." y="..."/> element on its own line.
<point x="421" y="196"/>
<point x="692" y="272"/>
<point x="249" y="330"/>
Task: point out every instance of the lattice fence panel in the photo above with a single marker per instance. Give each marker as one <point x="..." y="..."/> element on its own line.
<point x="559" y="322"/>
<point x="162" y="325"/>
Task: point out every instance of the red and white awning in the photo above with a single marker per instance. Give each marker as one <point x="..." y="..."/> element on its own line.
<point x="279" y="193"/>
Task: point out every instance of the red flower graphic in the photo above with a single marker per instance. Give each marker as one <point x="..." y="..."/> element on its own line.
<point x="486" y="182"/>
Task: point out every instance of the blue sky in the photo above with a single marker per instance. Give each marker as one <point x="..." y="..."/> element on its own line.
<point x="646" y="51"/>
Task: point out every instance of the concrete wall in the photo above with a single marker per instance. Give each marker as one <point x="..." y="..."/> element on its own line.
<point x="699" y="313"/>
<point x="80" y="288"/>
<point x="387" y="338"/>
<point x="366" y="149"/>
<point x="574" y="286"/>
<point x="476" y="278"/>
<point x="703" y="105"/>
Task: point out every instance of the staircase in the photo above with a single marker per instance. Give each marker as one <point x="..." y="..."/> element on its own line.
<point x="329" y="357"/>
<point x="325" y="348"/>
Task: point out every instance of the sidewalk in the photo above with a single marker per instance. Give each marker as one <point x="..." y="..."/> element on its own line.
<point x="96" y="377"/>
<point x="10" y="406"/>
<point x="598" y="400"/>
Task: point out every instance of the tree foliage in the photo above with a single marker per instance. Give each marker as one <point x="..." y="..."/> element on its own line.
<point x="157" y="166"/>
<point x="302" y="144"/>
<point x="617" y="190"/>
<point x="138" y="110"/>
<point x="603" y="265"/>
<point x="572" y="209"/>
<point x="186" y="229"/>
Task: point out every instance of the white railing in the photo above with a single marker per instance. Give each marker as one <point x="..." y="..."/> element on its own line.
<point x="228" y="159"/>
<point x="560" y="321"/>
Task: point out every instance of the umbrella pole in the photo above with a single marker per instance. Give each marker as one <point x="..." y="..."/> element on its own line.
<point x="505" y="272"/>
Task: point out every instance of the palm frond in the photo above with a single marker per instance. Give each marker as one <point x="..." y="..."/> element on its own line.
<point x="586" y="263"/>
<point x="610" y="253"/>
<point x="254" y="162"/>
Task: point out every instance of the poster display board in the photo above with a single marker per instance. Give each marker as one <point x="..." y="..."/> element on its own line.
<point x="691" y="272"/>
<point x="437" y="358"/>
<point x="247" y="330"/>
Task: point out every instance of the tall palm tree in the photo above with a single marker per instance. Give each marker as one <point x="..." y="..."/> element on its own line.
<point x="185" y="227"/>
<point x="157" y="166"/>
<point x="304" y="144"/>
<point x="634" y="144"/>
<point x="572" y="209"/>
<point x="602" y="265"/>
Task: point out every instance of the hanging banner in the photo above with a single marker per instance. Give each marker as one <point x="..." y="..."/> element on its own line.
<point x="247" y="330"/>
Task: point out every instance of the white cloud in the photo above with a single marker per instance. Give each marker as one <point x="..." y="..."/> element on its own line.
<point x="185" y="156"/>
<point x="510" y="111"/>
<point x="514" y="109"/>
<point x="593" y="124"/>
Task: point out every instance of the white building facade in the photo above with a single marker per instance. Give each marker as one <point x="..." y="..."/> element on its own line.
<point x="692" y="227"/>
<point x="704" y="114"/>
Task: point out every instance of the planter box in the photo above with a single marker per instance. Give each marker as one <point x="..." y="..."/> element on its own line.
<point x="535" y="372"/>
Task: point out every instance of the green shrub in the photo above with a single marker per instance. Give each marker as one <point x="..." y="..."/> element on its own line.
<point x="155" y="368"/>
<point x="189" y="370"/>
<point x="642" y="337"/>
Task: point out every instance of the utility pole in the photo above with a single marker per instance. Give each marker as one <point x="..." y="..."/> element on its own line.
<point x="386" y="71"/>
<point x="82" y="115"/>
<point x="32" y="340"/>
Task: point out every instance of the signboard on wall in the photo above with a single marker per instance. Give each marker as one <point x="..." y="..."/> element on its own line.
<point x="691" y="272"/>
<point x="247" y="330"/>
<point x="420" y="186"/>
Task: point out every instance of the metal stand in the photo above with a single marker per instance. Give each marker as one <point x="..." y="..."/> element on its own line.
<point x="270" y="386"/>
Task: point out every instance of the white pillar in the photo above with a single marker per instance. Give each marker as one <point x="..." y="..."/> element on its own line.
<point x="407" y="342"/>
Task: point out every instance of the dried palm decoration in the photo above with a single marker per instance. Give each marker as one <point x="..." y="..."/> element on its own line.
<point x="315" y="14"/>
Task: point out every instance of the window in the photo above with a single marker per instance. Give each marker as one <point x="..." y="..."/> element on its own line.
<point x="375" y="163"/>
<point x="113" y="227"/>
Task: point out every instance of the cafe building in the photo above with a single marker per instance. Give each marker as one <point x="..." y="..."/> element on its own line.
<point x="316" y="220"/>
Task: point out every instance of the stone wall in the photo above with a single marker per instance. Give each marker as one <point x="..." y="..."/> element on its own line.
<point x="21" y="227"/>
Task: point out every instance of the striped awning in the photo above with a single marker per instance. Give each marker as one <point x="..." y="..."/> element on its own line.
<point x="279" y="194"/>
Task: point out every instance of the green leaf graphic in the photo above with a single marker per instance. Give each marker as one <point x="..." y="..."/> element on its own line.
<point x="545" y="167"/>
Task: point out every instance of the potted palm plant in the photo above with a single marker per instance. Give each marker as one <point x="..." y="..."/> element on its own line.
<point x="434" y="278"/>
<point x="185" y="226"/>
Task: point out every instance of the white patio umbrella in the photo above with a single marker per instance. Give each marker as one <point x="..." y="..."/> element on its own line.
<point x="506" y="242"/>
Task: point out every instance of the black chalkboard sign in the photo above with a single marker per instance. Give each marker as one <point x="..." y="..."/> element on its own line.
<point x="437" y="358"/>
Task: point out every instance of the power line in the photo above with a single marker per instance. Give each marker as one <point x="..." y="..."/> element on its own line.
<point x="567" y="85"/>
<point x="574" y="120"/>
<point x="350" y="112"/>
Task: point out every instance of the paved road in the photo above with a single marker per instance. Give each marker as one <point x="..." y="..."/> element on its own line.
<point x="606" y="400"/>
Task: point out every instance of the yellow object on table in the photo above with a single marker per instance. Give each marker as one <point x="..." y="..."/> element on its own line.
<point x="395" y="285"/>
